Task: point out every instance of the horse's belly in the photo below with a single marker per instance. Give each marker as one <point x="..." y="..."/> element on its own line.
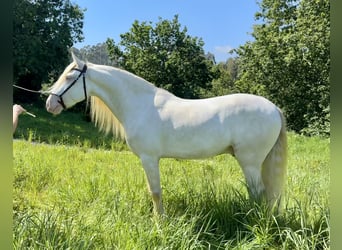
<point x="196" y="146"/>
<point x="196" y="154"/>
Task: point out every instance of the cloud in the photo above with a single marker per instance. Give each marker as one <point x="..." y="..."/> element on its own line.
<point x="223" y="49"/>
<point x="221" y="53"/>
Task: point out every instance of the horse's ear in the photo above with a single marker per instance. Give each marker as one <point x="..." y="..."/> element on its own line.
<point x="78" y="61"/>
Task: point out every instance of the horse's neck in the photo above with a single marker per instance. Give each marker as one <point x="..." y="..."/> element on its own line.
<point x="122" y="91"/>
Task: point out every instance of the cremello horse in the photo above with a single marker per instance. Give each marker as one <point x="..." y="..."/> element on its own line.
<point x="157" y="124"/>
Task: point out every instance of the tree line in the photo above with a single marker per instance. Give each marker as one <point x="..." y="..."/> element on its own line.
<point x="288" y="60"/>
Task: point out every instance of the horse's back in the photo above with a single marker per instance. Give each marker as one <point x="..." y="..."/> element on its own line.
<point x="207" y="127"/>
<point x="229" y="110"/>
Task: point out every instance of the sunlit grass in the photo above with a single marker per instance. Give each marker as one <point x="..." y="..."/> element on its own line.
<point x="79" y="197"/>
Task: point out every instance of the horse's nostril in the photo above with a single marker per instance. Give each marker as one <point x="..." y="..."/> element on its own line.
<point x="60" y="101"/>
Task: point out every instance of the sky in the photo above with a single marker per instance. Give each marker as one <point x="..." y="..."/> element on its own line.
<point x="222" y="24"/>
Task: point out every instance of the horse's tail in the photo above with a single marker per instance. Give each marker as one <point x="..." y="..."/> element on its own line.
<point x="274" y="168"/>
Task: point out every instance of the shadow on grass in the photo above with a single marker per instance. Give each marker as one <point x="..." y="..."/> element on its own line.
<point x="69" y="128"/>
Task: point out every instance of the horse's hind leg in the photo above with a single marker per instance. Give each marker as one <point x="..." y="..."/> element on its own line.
<point x="151" y="167"/>
<point x="255" y="185"/>
<point x="251" y="168"/>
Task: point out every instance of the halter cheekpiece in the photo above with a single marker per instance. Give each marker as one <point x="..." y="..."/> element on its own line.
<point x="82" y="72"/>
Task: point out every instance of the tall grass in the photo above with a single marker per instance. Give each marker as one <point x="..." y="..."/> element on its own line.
<point x="77" y="195"/>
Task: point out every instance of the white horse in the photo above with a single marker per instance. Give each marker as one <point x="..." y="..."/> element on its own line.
<point x="157" y="124"/>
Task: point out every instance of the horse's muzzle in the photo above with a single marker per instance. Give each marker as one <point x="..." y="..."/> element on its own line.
<point x="53" y="105"/>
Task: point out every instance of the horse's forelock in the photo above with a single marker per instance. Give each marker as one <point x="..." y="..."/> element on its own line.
<point x="62" y="77"/>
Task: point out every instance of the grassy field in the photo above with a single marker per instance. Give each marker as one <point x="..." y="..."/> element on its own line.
<point x="75" y="188"/>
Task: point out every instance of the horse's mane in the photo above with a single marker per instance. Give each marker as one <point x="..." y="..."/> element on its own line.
<point x="104" y="118"/>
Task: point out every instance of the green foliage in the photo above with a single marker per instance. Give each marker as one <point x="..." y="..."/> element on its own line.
<point x="97" y="54"/>
<point x="43" y="31"/>
<point x="289" y="61"/>
<point x="225" y="75"/>
<point x="165" y="55"/>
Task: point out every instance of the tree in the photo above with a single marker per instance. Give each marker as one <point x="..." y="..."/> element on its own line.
<point x="43" y="31"/>
<point x="96" y="54"/>
<point x="225" y="74"/>
<point x="165" y="55"/>
<point x="289" y="60"/>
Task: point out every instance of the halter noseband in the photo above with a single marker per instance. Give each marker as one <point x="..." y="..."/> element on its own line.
<point x="82" y="72"/>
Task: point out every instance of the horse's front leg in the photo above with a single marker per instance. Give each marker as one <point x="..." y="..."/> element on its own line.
<point x="151" y="167"/>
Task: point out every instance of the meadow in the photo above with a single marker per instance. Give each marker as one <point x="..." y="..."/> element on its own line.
<point x="75" y="188"/>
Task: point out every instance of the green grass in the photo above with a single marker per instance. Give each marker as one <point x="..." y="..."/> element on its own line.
<point x="68" y="128"/>
<point x="86" y="191"/>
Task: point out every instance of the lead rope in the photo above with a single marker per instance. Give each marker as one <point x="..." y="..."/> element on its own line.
<point x="30" y="90"/>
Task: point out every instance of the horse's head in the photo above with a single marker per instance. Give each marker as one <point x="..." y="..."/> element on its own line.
<point x="69" y="89"/>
